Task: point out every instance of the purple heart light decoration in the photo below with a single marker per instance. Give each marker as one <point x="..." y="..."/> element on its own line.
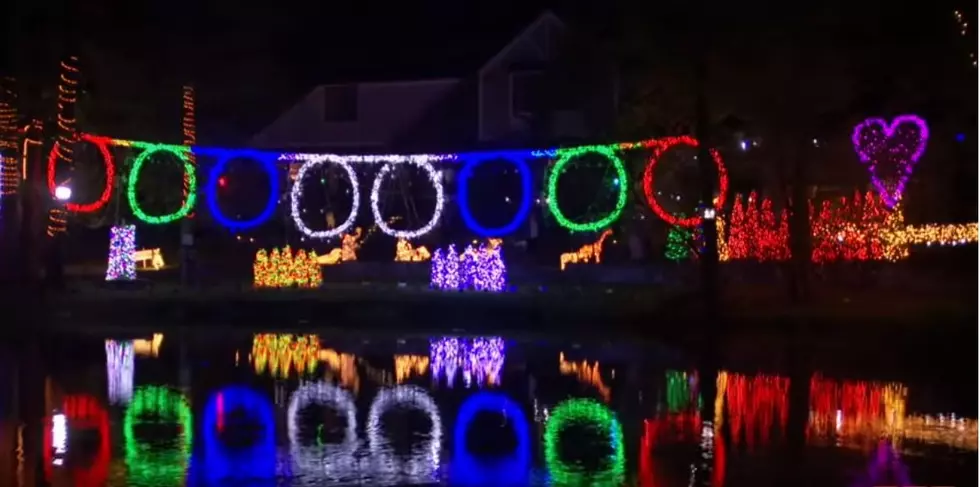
<point x="897" y="145"/>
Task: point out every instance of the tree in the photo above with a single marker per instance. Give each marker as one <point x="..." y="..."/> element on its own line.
<point x="678" y="243"/>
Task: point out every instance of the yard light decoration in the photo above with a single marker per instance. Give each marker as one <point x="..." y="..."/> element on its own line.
<point x="122" y="249"/>
<point x="660" y="147"/>
<point x="476" y="268"/>
<point x="183" y="154"/>
<point x="224" y="157"/>
<point x="565" y="157"/>
<point x="897" y="146"/>
<point x="103" y="144"/>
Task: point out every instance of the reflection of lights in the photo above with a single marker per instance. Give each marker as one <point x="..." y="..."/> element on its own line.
<point x="153" y="465"/>
<point x="338" y="460"/>
<point x="281" y="353"/>
<point x="859" y="411"/>
<point x="257" y="461"/>
<point x="755" y="404"/>
<point x="80" y="412"/>
<point x="482" y="357"/>
<point x="590" y="412"/>
<point x="408" y="365"/>
<point x="941" y="430"/>
<point x="513" y="468"/>
<point x="422" y="463"/>
<point x="681" y="390"/>
<point x="344" y="365"/>
<point x="120" y="368"/>
<point x="148" y="348"/>
<point x="587" y="374"/>
<point x="885" y="465"/>
<point x="59" y="438"/>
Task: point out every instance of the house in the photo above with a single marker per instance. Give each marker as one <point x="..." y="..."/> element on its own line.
<point x="530" y="91"/>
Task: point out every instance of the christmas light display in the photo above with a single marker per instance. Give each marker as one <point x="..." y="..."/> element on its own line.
<point x="408" y="365"/>
<point x="148" y="348"/>
<point x="476" y="268"/>
<point x="78" y="412"/>
<point x="589" y="412"/>
<point x="103" y="144"/>
<point x="281" y="269"/>
<point x="268" y="163"/>
<point x="479" y="359"/>
<point x="313" y="460"/>
<point x="942" y="429"/>
<point x="899" y="144"/>
<point x="681" y="390"/>
<point x="510" y="469"/>
<point x="405" y="252"/>
<point x="297" y="193"/>
<point x="279" y="354"/>
<point x="855" y="411"/>
<point x="678" y="243"/>
<point x="122" y="245"/>
<point x="423" y="462"/>
<point x="962" y="26"/>
<point x="188" y="127"/>
<point x="255" y="461"/>
<point x="463" y="198"/>
<point x="149" y="464"/>
<point x="587" y="253"/>
<point x="565" y="156"/>
<point x="343" y="365"/>
<point x="435" y="178"/>
<point x="9" y="138"/>
<point x="659" y="148"/>
<point x="885" y="468"/>
<point x="755" y="404"/>
<point x="149" y="259"/>
<point x="64" y="147"/>
<point x="120" y="368"/>
<point x="180" y="152"/>
<point x="586" y="374"/>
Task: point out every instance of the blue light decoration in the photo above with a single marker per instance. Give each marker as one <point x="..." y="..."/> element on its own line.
<point x="512" y="469"/>
<point x="463" y="196"/>
<point x="257" y="461"/>
<point x="268" y="162"/>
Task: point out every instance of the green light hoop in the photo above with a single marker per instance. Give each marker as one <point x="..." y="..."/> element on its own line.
<point x="583" y="411"/>
<point x="182" y="153"/>
<point x="564" y="157"/>
<point x="169" y="405"/>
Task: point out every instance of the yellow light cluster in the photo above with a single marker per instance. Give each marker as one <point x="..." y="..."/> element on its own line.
<point x="941" y="430"/>
<point x="404" y="252"/>
<point x="149" y="259"/>
<point x="587" y="253"/>
<point x="282" y="269"/>
<point x="585" y="373"/>
<point x="933" y="234"/>
<point x="343" y="365"/>
<point x="148" y="348"/>
<point x="407" y="366"/>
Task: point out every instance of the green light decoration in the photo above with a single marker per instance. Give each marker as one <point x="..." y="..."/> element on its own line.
<point x="678" y="391"/>
<point x="565" y="156"/>
<point x="147" y="464"/>
<point x="182" y="153"/>
<point x="589" y="412"/>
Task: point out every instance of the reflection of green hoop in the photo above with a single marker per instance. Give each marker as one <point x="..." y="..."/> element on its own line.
<point x="169" y="463"/>
<point x="564" y="157"/>
<point x="583" y="411"/>
<point x="182" y="153"/>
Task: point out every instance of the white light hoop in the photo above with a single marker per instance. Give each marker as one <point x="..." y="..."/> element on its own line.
<point x="424" y="461"/>
<point x="297" y="192"/>
<point x="327" y="459"/>
<point x="435" y="177"/>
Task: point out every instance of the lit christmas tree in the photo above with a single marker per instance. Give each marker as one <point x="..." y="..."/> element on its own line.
<point x="314" y="272"/>
<point x="260" y="269"/>
<point x="678" y="243"/>
<point x="767" y="243"/>
<point x="437" y="272"/>
<point x="451" y="269"/>
<point x="737" y="238"/>
<point x="752" y="228"/>
<point x="301" y="267"/>
<point x="781" y="247"/>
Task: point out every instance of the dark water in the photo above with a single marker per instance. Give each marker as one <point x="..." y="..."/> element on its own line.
<point x="303" y="410"/>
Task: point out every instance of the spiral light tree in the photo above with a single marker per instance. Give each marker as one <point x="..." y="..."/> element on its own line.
<point x="9" y="169"/>
<point x="189" y="130"/>
<point x="67" y="135"/>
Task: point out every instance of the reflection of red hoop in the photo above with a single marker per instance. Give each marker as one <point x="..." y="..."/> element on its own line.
<point x="84" y="410"/>
<point x="661" y="146"/>
<point x="110" y="174"/>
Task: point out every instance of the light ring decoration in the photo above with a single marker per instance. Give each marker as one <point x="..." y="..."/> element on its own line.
<point x="463" y="197"/>
<point x="583" y="411"/>
<point x="423" y="463"/>
<point x="337" y="459"/>
<point x="435" y="178"/>
<point x="662" y="146"/>
<point x="297" y="192"/>
<point x="268" y="162"/>
<point x="870" y="144"/>
<point x="510" y="470"/>
<point x="144" y="463"/>
<point x="565" y="156"/>
<point x="182" y="153"/>
<point x="103" y="144"/>
<point x="82" y="411"/>
<point x="255" y="462"/>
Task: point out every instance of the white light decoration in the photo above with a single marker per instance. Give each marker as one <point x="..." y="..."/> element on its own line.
<point x="423" y="463"/>
<point x="120" y="368"/>
<point x="59" y="438"/>
<point x="297" y="193"/>
<point x="336" y="461"/>
<point x="62" y="193"/>
<point x="435" y="177"/>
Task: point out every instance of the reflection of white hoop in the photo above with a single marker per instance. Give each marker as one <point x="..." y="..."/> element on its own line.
<point x="297" y="192"/>
<point x="331" y="460"/>
<point x="434" y="177"/>
<point x="424" y="461"/>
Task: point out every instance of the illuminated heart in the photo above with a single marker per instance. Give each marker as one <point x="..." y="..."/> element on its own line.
<point x="897" y="145"/>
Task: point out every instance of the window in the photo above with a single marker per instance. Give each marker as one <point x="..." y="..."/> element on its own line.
<point x="340" y="103"/>
<point x="526" y="90"/>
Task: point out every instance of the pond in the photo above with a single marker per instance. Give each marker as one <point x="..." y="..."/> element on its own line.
<point x="311" y="410"/>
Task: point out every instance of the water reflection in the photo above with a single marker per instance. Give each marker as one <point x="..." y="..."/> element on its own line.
<point x="586" y="374"/>
<point x="120" y="368"/>
<point x="480" y="359"/>
<point x="160" y="459"/>
<point x="422" y="462"/>
<point x="83" y="415"/>
<point x="511" y="468"/>
<point x="239" y="440"/>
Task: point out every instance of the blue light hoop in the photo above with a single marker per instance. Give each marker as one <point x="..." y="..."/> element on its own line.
<point x="510" y="470"/>
<point x="255" y="462"/>
<point x="224" y="156"/>
<point x="463" y="193"/>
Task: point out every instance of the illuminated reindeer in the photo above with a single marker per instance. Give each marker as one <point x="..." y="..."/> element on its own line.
<point x="588" y="252"/>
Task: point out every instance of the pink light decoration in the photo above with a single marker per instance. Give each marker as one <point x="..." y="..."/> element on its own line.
<point x="900" y="143"/>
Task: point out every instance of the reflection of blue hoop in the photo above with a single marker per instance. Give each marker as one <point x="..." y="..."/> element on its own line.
<point x="268" y="162"/>
<point x="255" y="462"/>
<point x="464" y="207"/>
<point x="510" y="470"/>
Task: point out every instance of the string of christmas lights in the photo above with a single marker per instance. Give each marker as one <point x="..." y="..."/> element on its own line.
<point x="476" y="268"/>
<point x="297" y="193"/>
<point x="963" y="27"/>
<point x="223" y="158"/>
<point x="435" y="178"/>
<point x="282" y="269"/>
<point x="588" y="253"/>
<point x="182" y="154"/>
<point x="584" y="411"/>
<point x="67" y="136"/>
<point x="110" y="174"/>
<point x="122" y="248"/>
<point x="120" y="368"/>
<point x="188" y="122"/>
<point x="565" y="157"/>
<point x="663" y="145"/>
<point x="422" y="463"/>
<point x="527" y="197"/>
<point x="899" y="144"/>
<point x="9" y="136"/>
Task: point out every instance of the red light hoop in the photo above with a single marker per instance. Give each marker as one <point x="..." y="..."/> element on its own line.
<point x="110" y="174"/>
<point x="663" y="145"/>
